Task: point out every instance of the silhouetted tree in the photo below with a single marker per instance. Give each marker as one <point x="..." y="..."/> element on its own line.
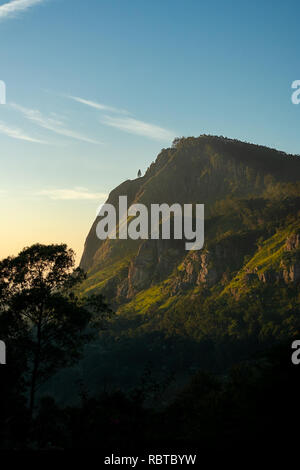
<point x="42" y="313"/>
<point x="139" y="174"/>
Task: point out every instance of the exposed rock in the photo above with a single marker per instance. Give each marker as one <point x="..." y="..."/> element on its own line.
<point x="154" y="261"/>
<point x="292" y="273"/>
<point x="293" y="242"/>
<point x="122" y="290"/>
<point x="230" y="178"/>
<point x="208" y="273"/>
<point x="269" y="275"/>
<point x="210" y="266"/>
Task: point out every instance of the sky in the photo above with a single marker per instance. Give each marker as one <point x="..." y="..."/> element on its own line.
<point x="96" y="88"/>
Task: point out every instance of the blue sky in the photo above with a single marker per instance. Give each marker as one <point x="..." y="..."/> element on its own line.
<point x="142" y="72"/>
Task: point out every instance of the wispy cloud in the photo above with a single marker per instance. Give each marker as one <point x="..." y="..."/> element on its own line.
<point x="15" y="6"/>
<point x="99" y="106"/>
<point x="71" y="194"/>
<point x="19" y="134"/>
<point x="54" y="125"/>
<point x="133" y="126"/>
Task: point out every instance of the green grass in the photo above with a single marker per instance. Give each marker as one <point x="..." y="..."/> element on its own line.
<point x="98" y="280"/>
<point x="143" y="301"/>
<point x="269" y="256"/>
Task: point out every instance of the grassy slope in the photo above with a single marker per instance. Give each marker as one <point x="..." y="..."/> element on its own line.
<point x="213" y="169"/>
<point x="267" y="257"/>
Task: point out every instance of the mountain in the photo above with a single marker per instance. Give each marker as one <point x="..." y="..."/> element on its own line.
<point x="178" y="311"/>
<point x="251" y="196"/>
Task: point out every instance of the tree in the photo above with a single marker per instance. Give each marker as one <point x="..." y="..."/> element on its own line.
<point x="40" y="309"/>
<point x="139" y="174"/>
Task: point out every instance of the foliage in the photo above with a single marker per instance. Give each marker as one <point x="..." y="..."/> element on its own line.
<point x="41" y="318"/>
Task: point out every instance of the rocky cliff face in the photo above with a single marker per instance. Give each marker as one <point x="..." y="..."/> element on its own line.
<point x="293" y="242"/>
<point x="282" y="267"/>
<point x="240" y="185"/>
<point x="291" y="267"/>
<point x="215" y="265"/>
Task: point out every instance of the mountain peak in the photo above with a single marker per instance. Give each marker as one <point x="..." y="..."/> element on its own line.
<point x="240" y="185"/>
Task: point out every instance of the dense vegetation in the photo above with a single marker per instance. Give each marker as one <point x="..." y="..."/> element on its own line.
<point x="199" y="350"/>
<point x="188" y="310"/>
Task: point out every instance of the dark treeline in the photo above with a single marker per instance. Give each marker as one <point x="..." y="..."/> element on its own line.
<point x="237" y="397"/>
